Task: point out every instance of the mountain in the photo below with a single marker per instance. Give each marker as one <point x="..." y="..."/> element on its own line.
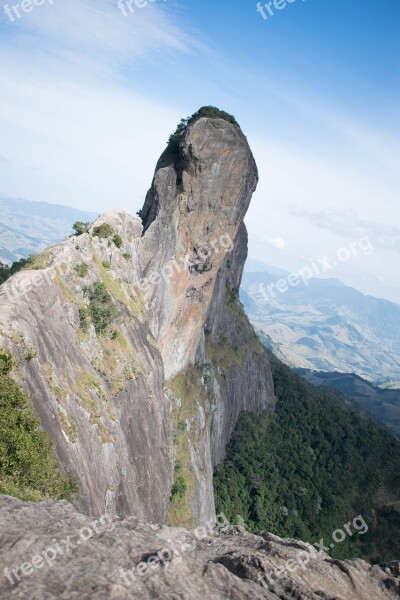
<point x="126" y="363"/>
<point x="324" y="325"/>
<point x="28" y="227"/>
<point x="384" y="405"/>
<point x="131" y="340"/>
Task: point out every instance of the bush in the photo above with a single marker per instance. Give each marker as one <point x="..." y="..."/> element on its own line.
<point x="101" y="307"/>
<point x="80" y="227"/>
<point x="21" y="264"/>
<point x="84" y="318"/>
<point x="4" y="272"/>
<point x="117" y="239"/>
<point x="82" y="269"/>
<point x="103" y="231"/>
<point x="6" y="362"/>
<point x="179" y="487"/>
<point x="28" y="466"/>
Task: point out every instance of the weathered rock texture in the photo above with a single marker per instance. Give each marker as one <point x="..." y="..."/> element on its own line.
<point x="182" y="361"/>
<point x="195" y="209"/>
<point x="187" y="565"/>
<point x="100" y="399"/>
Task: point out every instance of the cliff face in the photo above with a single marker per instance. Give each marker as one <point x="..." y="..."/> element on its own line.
<point x="100" y="397"/>
<point x="161" y="384"/>
<point x="195" y="238"/>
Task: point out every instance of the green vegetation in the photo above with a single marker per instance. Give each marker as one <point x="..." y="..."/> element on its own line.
<point x="205" y="111"/>
<point x="117" y="239"/>
<point x="4" y="272"/>
<point x="29" y="469"/>
<point x="179" y="487"/>
<point x="101" y="309"/>
<point x="80" y="227"/>
<point x="82" y="269"/>
<point x="312" y="467"/>
<point x="103" y="231"/>
<point x="84" y="318"/>
<point x="6" y="362"/>
<point x="123" y="293"/>
<point x="187" y="388"/>
<point x="382" y="404"/>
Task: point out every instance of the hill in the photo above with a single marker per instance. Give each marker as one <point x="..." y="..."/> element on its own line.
<point x="325" y="325"/>
<point x="28" y="227"/>
<point x="384" y="405"/>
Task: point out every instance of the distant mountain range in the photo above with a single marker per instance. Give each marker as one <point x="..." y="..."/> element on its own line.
<point x="28" y="227"/>
<point x="384" y="405"/>
<point x="325" y="325"/>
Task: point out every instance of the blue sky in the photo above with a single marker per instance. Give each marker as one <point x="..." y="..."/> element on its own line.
<point x="89" y="98"/>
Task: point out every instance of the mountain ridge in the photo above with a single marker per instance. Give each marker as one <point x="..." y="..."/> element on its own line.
<point x="326" y="325"/>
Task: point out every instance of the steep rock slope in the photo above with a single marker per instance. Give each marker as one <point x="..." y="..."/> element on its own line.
<point x="131" y="340"/>
<point x="51" y="551"/>
<point x="100" y="397"/>
<point x="194" y="212"/>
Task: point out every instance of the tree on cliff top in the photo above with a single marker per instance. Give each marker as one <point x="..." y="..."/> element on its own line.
<point x="211" y="112"/>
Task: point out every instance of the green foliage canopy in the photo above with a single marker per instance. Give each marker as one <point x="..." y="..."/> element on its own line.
<point x="312" y="467"/>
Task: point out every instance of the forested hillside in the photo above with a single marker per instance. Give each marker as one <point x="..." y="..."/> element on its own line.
<point x="312" y="467"/>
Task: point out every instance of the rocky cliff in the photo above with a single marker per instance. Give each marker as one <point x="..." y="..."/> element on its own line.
<point x="131" y="340"/>
<point x="48" y="551"/>
<point x="134" y="348"/>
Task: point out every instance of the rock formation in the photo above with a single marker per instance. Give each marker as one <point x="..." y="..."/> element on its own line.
<point x="162" y="385"/>
<point x="51" y="551"/>
<point x="133" y="345"/>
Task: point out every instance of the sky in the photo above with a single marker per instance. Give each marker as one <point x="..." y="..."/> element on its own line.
<point x="91" y="91"/>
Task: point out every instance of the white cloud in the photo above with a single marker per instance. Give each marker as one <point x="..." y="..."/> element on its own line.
<point x="277" y="243"/>
<point x="74" y="128"/>
<point x="91" y="34"/>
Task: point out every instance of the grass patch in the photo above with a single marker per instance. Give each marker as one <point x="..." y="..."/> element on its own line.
<point x="117" y="239"/>
<point x="82" y="269"/>
<point x="68" y="294"/>
<point x="85" y="385"/>
<point x="187" y="388"/>
<point x="69" y="426"/>
<point x="120" y="291"/>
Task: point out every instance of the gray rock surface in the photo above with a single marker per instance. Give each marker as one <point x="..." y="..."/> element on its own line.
<point x="128" y="559"/>
<point x="100" y="399"/>
<point x="183" y="362"/>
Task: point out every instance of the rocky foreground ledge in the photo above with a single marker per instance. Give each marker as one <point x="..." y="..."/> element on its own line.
<point x="49" y="550"/>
